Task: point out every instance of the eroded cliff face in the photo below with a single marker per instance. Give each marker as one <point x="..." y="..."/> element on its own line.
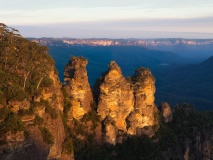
<point x="31" y="143"/>
<point x="77" y="87"/>
<point x="127" y="105"/>
<point x="56" y="100"/>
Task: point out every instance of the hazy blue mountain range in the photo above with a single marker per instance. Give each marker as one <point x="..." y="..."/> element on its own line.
<point x="194" y="49"/>
<point x="125" y="42"/>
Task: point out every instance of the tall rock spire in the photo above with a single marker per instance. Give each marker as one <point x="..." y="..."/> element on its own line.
<point x="77" y="87"/>
<point x="126" y="106"/>
<point x="115" y="101"/>
<point x="145" y="111"/>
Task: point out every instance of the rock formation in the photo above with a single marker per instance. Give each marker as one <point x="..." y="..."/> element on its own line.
<point x="144" y="115"/>
<point x="115" y="101"/>
<point x="77" y="87"/>
<point x="116" y="98"/>
<point x="166" y="111"/>
<point x="129" y="105"/>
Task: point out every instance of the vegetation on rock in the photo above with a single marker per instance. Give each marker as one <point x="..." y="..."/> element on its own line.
<point x="47" y="136"/>
<point x="24" y="66"/>
<point x="29" y="91"/>
<point x="11" y="123"/>
<point x="38" y="120"/>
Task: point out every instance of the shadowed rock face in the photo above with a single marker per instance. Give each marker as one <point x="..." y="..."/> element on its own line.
<point x="166" y="111"/>
<point x="78" y="87"/>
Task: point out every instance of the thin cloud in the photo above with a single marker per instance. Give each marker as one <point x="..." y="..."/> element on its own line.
<point x="138" y="28"/>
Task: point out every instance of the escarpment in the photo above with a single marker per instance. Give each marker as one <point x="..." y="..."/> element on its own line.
<point x="41" y="132"/>
<point x="52" y="116"/>
<point x="30" y="98"/>
<point x="40" y="129"/>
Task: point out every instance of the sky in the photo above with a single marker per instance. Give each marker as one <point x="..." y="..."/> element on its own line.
<point x="109" y="18"/>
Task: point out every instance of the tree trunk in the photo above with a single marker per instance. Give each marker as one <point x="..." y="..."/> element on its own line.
<point x="39" y="83"/>
<point x="25" y="78"/>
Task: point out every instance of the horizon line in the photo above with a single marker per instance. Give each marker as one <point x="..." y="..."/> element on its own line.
<point x="74" y="38"/>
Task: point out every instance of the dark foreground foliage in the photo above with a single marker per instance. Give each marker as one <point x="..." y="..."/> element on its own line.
<point x="169" y="136"/>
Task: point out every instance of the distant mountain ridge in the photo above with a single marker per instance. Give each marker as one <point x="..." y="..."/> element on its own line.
<point x="124" y="42"/>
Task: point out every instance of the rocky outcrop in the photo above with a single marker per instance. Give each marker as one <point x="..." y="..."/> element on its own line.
<point x="77" y="87"/>
<point x="166" y="112"/>
<point x="116" y="97"/>
<point x="18" y="105"/>
<point x="144" y="89"/>
<point x="115" y="102"/>
<point x="130" y="105"/>
<point x="145" y="111"/>
<point x="110" y="130"/>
